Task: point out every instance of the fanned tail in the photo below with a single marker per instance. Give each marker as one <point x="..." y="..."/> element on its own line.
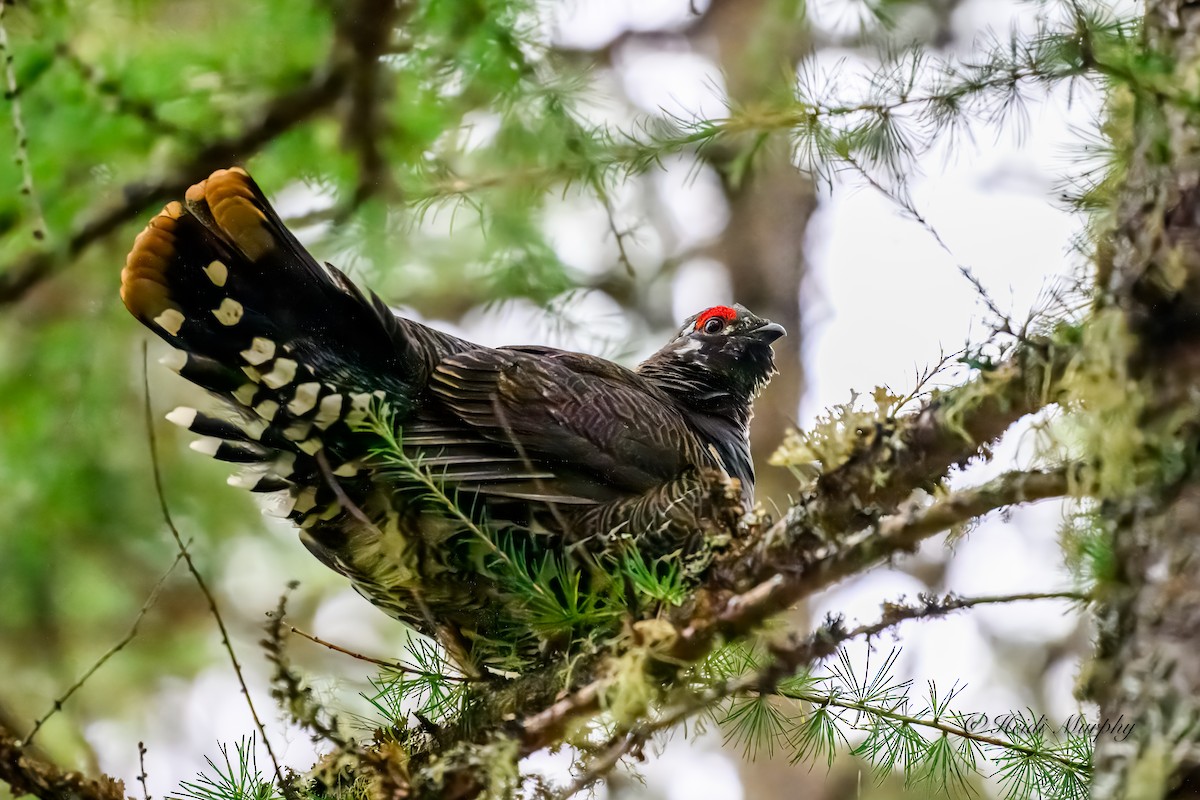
<point x="296" y="350"/>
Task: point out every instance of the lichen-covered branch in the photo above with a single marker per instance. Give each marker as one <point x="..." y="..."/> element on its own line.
<point x="901" y="532"/>
<point x="742" y="613"/>
<point x="26" y="773"/>
<point x="787" y="658"/>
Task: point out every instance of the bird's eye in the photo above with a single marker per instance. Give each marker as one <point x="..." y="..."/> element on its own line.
<point x="714" y="325"/>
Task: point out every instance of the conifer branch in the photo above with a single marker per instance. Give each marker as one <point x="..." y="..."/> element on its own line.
<point x="896" y="533"/>
<point x="812" y="547"/>
<point x="787" y="659"/>
<point x="123" y="102"/>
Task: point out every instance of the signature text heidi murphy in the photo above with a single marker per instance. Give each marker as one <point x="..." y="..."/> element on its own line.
<point x="1017" y="724"/>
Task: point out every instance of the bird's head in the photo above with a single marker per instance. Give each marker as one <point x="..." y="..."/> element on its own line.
<point x="722" y="350"/>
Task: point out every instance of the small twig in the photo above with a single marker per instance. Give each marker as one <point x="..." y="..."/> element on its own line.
<point x="601" y="766"/>
<point x="287" y="687"/>
<point x="396" y="666"/>
<point x="142" y="766"/>
<point x="100" y="662"/>
<point x="906" y="204"/>
<point x="200" y="582"/>
<point x="610" y="214"/>
<point x="13" y="94"/>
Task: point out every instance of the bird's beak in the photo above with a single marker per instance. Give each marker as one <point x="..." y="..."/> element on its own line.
<point x="769" y="332"/>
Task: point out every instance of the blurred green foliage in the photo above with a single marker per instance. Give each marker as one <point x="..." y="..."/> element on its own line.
<point x="115" y="94"/>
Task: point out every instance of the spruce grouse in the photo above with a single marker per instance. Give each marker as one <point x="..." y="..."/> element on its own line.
<point x="415" y="462"/>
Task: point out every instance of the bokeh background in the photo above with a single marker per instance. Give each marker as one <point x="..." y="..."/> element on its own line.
<point x="466" y="196"/>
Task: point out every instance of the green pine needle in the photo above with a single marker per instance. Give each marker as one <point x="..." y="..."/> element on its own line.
<point x="236" y="778"/>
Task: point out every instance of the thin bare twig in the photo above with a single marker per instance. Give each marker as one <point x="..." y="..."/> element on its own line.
<point x="287" y="686"/>
<point x="12" y="93"/>
<point x="142" y="770"/>
<point x="200" y="582"/>
<point x="112" y="651"/>
<point x="395" y="666"/>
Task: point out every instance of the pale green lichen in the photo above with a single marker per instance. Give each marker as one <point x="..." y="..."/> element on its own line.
<point x="494" y="763"/>
<point x="836" y="435"/>
<point x="1105" y="404"/>
<point x="629" y="692"/>
<point x="1150" y="772"/>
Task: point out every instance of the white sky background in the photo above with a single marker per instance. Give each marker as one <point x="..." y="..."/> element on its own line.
<point x="881" y="301"/>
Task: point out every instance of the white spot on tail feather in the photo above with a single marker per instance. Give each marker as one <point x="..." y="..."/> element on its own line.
<point x="244" y="480"/>
<point x="297" y="431"/>
<point x="229" y="312"/>
<point x="305" y="398"/>
<point x="282" y="374"/>
<point x="254" y="428"/>
<point x="182" y="416"/>
<point x="175" y="361"/>
<point x="260" y="350"/>
<point x="311" y="446"/>
<point x="267" y="409"/>
<point x="284" y="465"/>
<point x="208" y="445"/>
<point x="306" y="499"/>
<point x="360" y="404"/>
<point x="244" y="394"/>
<point x="279" y="504"/>
<point x="217" y="272"/>
<point x="329" y="411"/>
<point x="347" y="470"/>
<point x="170" y="320"/>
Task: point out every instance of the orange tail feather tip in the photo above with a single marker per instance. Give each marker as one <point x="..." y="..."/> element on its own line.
<point x="143" y="284"/>
<point x="228" y="201"/>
